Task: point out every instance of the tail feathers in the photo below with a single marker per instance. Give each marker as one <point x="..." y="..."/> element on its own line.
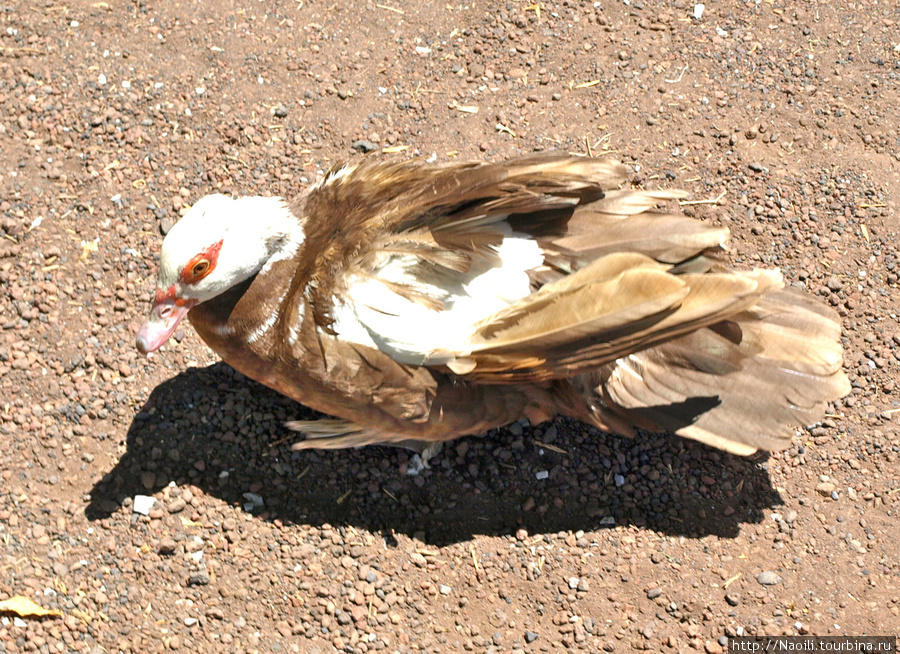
<point x="741" y="385"/>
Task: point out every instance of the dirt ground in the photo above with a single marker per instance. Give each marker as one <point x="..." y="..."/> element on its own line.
<point x="781" y="119"/>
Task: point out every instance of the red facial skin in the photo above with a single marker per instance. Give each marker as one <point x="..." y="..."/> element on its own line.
<point x="169" y="308"/>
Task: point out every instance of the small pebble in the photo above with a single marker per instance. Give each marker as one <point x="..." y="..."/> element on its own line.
<point x="768" y="578"/>
<point x="167" y="546"/>
<point x="364" y="146"/>
<point x="825" y="489"/>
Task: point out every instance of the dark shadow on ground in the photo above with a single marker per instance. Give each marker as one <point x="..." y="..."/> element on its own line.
<point x="223" y="433"/>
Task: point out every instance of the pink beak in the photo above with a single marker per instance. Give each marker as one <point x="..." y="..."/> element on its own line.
<point x="164" y="318"/>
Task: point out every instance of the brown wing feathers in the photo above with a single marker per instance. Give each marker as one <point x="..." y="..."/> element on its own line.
<point x="725" y="357"/>
<point x="630" y="305"/>
<point x="586" y="325"/>
<point x="383" y="205"/>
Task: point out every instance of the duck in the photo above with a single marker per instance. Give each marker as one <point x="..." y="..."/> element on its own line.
<point x="415" y="303"/>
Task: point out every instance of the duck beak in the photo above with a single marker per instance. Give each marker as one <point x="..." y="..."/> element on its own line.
<point x="162" y="321"/>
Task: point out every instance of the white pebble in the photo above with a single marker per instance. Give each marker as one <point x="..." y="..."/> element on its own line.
<point x="143" y="504"/>
<point x="101" y="79"/>
<point x="542" y="474"/>
<point x="699" y="8"/>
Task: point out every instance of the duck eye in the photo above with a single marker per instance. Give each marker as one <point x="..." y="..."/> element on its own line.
<point x="201" y="264"/>
<point x="200" y="268"/>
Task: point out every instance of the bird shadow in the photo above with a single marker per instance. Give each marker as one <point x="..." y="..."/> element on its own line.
<point x="217" y="431"/>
